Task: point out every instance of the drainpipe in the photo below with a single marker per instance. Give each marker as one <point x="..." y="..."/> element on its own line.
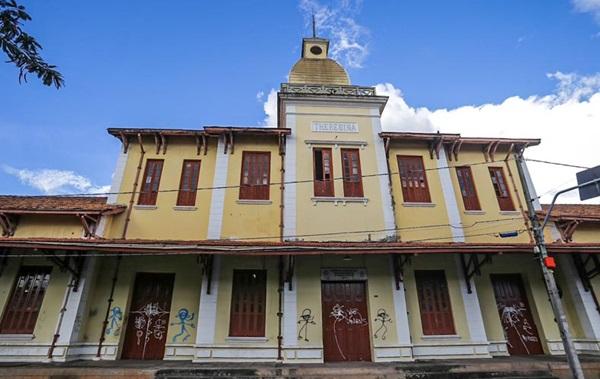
<point x="109" y="306"/>
<point x="63" y="309"/>
<point x="280" y="312"/>
<point x="281" y="186"/>
<point x="135" y="184"/>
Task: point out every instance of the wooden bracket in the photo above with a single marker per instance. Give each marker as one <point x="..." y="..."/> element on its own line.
<point x="207" y="269"/>
<point x="124" y="142"/>
<point x="471" y="265"/>
<point x="8" y="223"/>
<point x="511" y="149"/>
<point x="567" y="228"/>
<point x="73" y="264"/>
<point x="435" y="146"/>
<point x="398" y="263"/>
<point x="588" y="267"/>
<point x="89" y="223"/>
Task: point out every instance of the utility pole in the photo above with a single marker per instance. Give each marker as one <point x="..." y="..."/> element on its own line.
<point x="542" y="255"/>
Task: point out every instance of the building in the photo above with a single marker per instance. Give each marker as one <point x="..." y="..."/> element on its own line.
<point x="321" y="239"/>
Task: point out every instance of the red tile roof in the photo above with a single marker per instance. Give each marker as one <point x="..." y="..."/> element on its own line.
<point x="589" y="212"/>
<point x="58" y="204"/>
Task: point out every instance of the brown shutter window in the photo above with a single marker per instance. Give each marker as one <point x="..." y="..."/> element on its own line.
<point x="502" y="194"/>
<point x="323" y="171"/>
<point x="434" y="302"/>
<point x="188" y="186"/>
<point x="352" y="173"/>
<point x="248" y="303"/>
<point x="22" y="309"/>
<point x="255" y="177"/>
<point x="467" y="188"/>
<point x="413" y="179"/>
<point x="151" y="180"/>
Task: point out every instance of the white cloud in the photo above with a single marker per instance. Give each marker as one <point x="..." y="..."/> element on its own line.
<point x="348" y="38"/>
<point x="270" y="107"/>
<point x="55" y="182"/>
<point x="588" y="6"/>
<point x="566" y="120"/>
<point x="260" y="95"/>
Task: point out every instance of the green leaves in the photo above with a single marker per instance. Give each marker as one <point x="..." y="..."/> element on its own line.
<point x="21" y="48"/>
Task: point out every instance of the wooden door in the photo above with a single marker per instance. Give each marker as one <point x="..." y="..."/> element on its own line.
<point x="519" y="328"/>
<point x="148" y="319"/>
<point x="346" y="334"/>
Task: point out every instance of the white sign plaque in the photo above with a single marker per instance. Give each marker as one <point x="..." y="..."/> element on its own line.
<point x="334" y="127"/>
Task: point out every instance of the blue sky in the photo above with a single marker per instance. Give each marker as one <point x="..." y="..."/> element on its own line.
<point x="184" y="64"/>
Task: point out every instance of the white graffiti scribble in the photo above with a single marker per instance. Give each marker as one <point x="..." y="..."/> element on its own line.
<point x="512" y="317"/>
<point x="350" y="316"/>
<point x="149" y="322"/>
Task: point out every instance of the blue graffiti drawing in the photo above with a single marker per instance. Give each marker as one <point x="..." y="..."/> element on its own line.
<point x="116" y="315"/>
<point x="183" y="318"/>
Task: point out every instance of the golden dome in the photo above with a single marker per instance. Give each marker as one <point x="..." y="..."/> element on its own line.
<point x="315" y="66"/>
<point x="318" y="71"/>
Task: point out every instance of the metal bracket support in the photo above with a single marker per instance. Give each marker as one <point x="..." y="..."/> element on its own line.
<point x="471" y="265"/>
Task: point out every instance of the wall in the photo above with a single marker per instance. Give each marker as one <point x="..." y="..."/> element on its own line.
<point x="247" y="218"/>
<point x="319" y="220"/>
<point x="34" y="226"/>
<point x="186" y="294"/>
<point x="165" y="221"/>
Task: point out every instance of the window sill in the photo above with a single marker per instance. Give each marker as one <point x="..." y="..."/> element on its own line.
<point x="254" y="202"/>
<point x="246" y="339"/>
<point x="145" y="207"/>
<point x="474" y="212"/>
<point x="184" y="208"/>
<point x="418" y="205"/>
<point x="441" y="337"/>
<point x="510" y="213"/>
<point x="339" y="200"/>
<point x="16" y="337"/>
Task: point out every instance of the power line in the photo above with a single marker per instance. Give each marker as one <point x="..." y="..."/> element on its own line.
<point x="303" y="181"/>
<point x="433" y="226"/>
<point x="555" y="163"/>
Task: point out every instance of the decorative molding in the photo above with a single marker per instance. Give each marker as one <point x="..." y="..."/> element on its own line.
<point x="246" y="339"/>
<point x="418" y="205"/>
<point x="324" y="89"/>
<point x="225" y="353"/>
<point x="335" y="143"/>
<point x="185" y="208"/>
<point x="344" y="274"/>
<point x="334" y="127"/>
<point x="479" y="213"/>
<point x="290" y="311"/>
<point x="400" y="310"/>
<point x="447" y="350"/>
<point x="339" y="200"/>
<point x="254" y="202"/>
<point x="142" y="207"/>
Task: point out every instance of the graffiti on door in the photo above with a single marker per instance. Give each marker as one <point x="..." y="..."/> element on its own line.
<point x="149" y="323"/>
<point x="350" y="316"/>
<point x="515" y="317"/>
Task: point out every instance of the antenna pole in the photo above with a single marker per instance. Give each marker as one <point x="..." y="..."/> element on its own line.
<point x="314" y="25"/>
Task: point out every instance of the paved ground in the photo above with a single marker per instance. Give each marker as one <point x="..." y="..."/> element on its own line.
<point x="502" y="367"/>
